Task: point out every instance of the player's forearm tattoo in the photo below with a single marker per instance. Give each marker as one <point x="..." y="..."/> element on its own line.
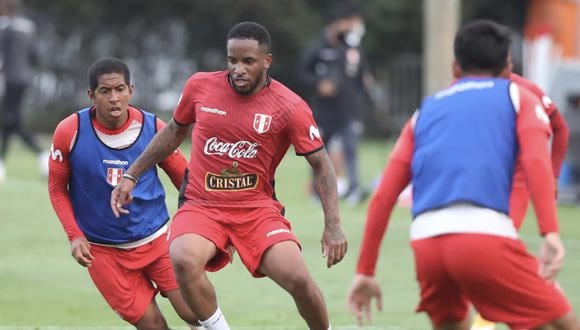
<point x="164" y="143"/>
<point x="325" y="185"/>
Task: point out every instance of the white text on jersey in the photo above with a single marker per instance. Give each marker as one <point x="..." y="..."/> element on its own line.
<point x="214" y="111"/>
<point x="239" y="149"/>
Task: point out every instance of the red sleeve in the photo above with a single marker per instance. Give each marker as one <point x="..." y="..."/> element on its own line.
<point x="303" y="130"/>
<point x="558" y="124"/>
<point x="396" y="176"/>
<point x="175" y="164"/>
<point x="185" y="112"/>
<point x="560" y="137"/>
<point x="533" y="132"/>
<point x="58" y="175"/>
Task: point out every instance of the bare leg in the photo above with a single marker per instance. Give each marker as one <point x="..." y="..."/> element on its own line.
<point x="189" y="254"/>
<point x="463" y="325"/>
<point x="152" y="319"/>
<point x="284" y="264"/>
<point x="181" y="308"/>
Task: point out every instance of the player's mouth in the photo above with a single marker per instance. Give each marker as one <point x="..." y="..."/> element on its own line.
<point x="116" y="111"/>
<point x="241" y="83"/>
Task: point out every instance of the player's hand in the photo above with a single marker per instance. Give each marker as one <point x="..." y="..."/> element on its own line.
<point x="362" y="291"/>
<point x="81" y="251"/>
<point x="121" y="195"/>
<point x="334" y="244"/>
<point x="551" y="256"/>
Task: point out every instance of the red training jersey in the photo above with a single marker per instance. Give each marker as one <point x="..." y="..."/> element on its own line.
<point x="560" y="133"/>
<point x="239" y="140"/>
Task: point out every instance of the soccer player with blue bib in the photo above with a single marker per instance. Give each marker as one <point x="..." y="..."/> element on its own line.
<point x="127" y="257"/>
<point x="460" y="151"/>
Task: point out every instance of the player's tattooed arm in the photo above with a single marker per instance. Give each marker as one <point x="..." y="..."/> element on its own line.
<point x="325" y="183"/>
<point x="334" y="243"/>
<point x="162" y="145"/>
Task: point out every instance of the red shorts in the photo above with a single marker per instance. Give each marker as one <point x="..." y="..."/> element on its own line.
<point x="126" y="277"/>
<point x="250" y="230"/>
<point x="519" y="205"/>
<point x="496" y="274"/>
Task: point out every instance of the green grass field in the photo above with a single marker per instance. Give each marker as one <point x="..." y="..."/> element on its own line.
<point x="42" y="287"/>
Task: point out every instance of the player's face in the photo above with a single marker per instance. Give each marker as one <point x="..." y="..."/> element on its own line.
<point x="111" y="100"/>
<point x="248" y="63"/>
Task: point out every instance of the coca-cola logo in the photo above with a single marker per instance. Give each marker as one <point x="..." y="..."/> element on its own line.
<point x="239" y="149"/>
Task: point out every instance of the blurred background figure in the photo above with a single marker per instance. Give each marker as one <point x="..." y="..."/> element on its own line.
<point x="569" y="193"/>
<point x="335" y="74"/>
<point x="18" y="58"/>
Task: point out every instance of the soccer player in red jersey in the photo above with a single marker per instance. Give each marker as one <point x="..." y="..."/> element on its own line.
<point x="560" y="134"/>
<point x="128" y="257"/>
<point x="460" y="151"/>
<point x="244" y="122"/>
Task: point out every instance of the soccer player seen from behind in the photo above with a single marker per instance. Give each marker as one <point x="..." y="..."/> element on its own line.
<point x="243" y="123"/>
<point x="460" y="151"/>
<point x="127" y="257"/>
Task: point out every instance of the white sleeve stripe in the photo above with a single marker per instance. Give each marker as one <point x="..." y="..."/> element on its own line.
<point x="515" y="96"/>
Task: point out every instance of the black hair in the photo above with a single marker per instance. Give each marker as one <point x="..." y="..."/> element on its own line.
<point x="105" y="66"/>
<point x="342" y="10"/>
<point x="252" y="31"/>
<point x="482" y="45"/>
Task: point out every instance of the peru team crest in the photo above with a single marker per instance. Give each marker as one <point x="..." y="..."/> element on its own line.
<point x="262" y="122"/>
<point x="114" y="175"/>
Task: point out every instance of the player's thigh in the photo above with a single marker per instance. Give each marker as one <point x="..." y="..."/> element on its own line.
<point x="253" y="239"/>
<point x="502" y="281"/>
<point x="440" y="296"/>
<point x="127" y="291"/>
<point x="284" y="264"/>
<point x="196" y="236"/>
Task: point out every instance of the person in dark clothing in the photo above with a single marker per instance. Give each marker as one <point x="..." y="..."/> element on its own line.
<point x="334" y="70"/>
<point x="19" y="58"/>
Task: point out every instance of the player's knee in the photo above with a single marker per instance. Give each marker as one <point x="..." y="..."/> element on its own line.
<point x="299" y="283"/>
<point x="187" y="261"/>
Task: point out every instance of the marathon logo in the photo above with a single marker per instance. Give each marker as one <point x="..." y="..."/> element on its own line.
<point x="216" y="182"/>
<point x="115" y="162"/>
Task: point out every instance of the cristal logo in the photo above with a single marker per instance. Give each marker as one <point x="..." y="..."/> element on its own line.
<point x="239" y="149"/>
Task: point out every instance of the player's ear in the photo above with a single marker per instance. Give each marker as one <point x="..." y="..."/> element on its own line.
<point x="91" y="94"/>
<point x="505" y="73"/>
<point x="131" y="89"/>
<point x="268" y="60"/>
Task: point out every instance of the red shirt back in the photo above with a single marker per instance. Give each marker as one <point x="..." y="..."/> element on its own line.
<point x="238" y="141"/>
